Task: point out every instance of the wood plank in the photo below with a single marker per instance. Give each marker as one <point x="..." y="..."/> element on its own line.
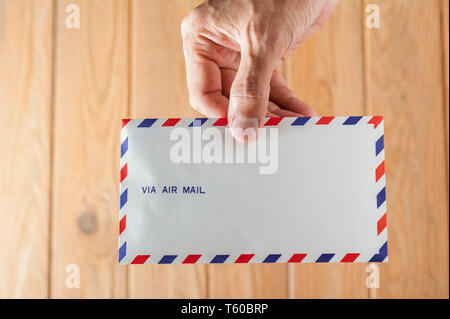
<point x="404" y="83"/>
<point x="158" y="89"/>
<point x="91" y="96"/>
<point x="158" y="81"/>
<point x="248" y="280"/>
<point x="445" y="59"/>
<point x="327" y="73"/>
<point x="25" y="116"/>
<point x="327" y="70"/>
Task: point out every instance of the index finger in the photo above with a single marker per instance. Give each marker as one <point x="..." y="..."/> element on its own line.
<point x="204" y="79"/>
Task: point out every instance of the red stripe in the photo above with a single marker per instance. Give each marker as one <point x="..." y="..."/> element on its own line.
<point x="379" y="172"/>
<point x="123" y="172"/>
<point x="381" y="225"/>
<point x="122" y="224"/>
<point x="244" y="258"/>
<point x="171" y="122"/>
<point x="324" y="120"/>
<point x="349" y="258"/>
<point x="221" y="122"/>
<point x="297" y="258"/>
<point x="125" y="121"/>
<point x="140" y="259"/>
<point x="273" y="121"/>
<point x="191" y="259"/>
<point x="375" y="120"/>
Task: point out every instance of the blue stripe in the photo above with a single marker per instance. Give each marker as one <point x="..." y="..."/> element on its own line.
<point x="324" y="258"/>
<point x="379" y="145"/>
<point x="147" y="123"/>
<point x="122" y="251"/>
<point x="167" y="259"/>
<point x="382" y="254"/>
<point x="124" y="147"/>
<point x="352" y="120"/>
<point x="123" y="198"/>
<point x="301" y="121"/>
<point x="381" y="197"/>
<point x="272" y="258"/>
<point x="198" y="122"/>
<point x="219" y="259"/>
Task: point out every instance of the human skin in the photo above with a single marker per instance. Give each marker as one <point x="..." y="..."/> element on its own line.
<point x="233" y="49"/>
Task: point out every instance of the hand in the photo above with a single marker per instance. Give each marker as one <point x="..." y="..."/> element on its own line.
<point x="233" y="49"/>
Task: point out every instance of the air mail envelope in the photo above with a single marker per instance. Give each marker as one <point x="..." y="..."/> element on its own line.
<point x="307" y="190"/>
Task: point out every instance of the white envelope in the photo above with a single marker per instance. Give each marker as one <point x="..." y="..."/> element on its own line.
<point x="307" y="190"/>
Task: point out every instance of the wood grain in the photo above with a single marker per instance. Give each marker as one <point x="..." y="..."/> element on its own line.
<point x="63" y="91"/>
<point x="158" y="89"/>
<point x="248" y="281"/>
<point x="404" y="81"/>
<point x="327" y="73"/>
<point x="445" y="73"/>
<point x="91" y="97"/>
<point x="25" y="115"/>
<point x="158" y="80"/>
<point x="327" y="70"/>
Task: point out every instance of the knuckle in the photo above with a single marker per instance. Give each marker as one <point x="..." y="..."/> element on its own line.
<point x="186" y="24"/>
<point x="264" y="38"/>
<point x="256" y="34"/>
<point x="193" y="103"/>
<point x="250" y="90"/>
<point x="190" y="21"/>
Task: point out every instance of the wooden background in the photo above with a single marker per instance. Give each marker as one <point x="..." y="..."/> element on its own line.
<point x="63" y="91"/>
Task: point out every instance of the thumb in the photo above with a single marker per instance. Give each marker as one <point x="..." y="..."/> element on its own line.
<point x="249" y="96"/>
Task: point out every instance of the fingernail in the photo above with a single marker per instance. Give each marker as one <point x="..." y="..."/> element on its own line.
<point x="244" y="129"/>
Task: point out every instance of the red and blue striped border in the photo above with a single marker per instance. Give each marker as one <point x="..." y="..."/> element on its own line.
<point x="272" y="121"/>
<point x="247" y="258"/>
<point x="123" y="198"/>
<point x="379" y="173"/>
